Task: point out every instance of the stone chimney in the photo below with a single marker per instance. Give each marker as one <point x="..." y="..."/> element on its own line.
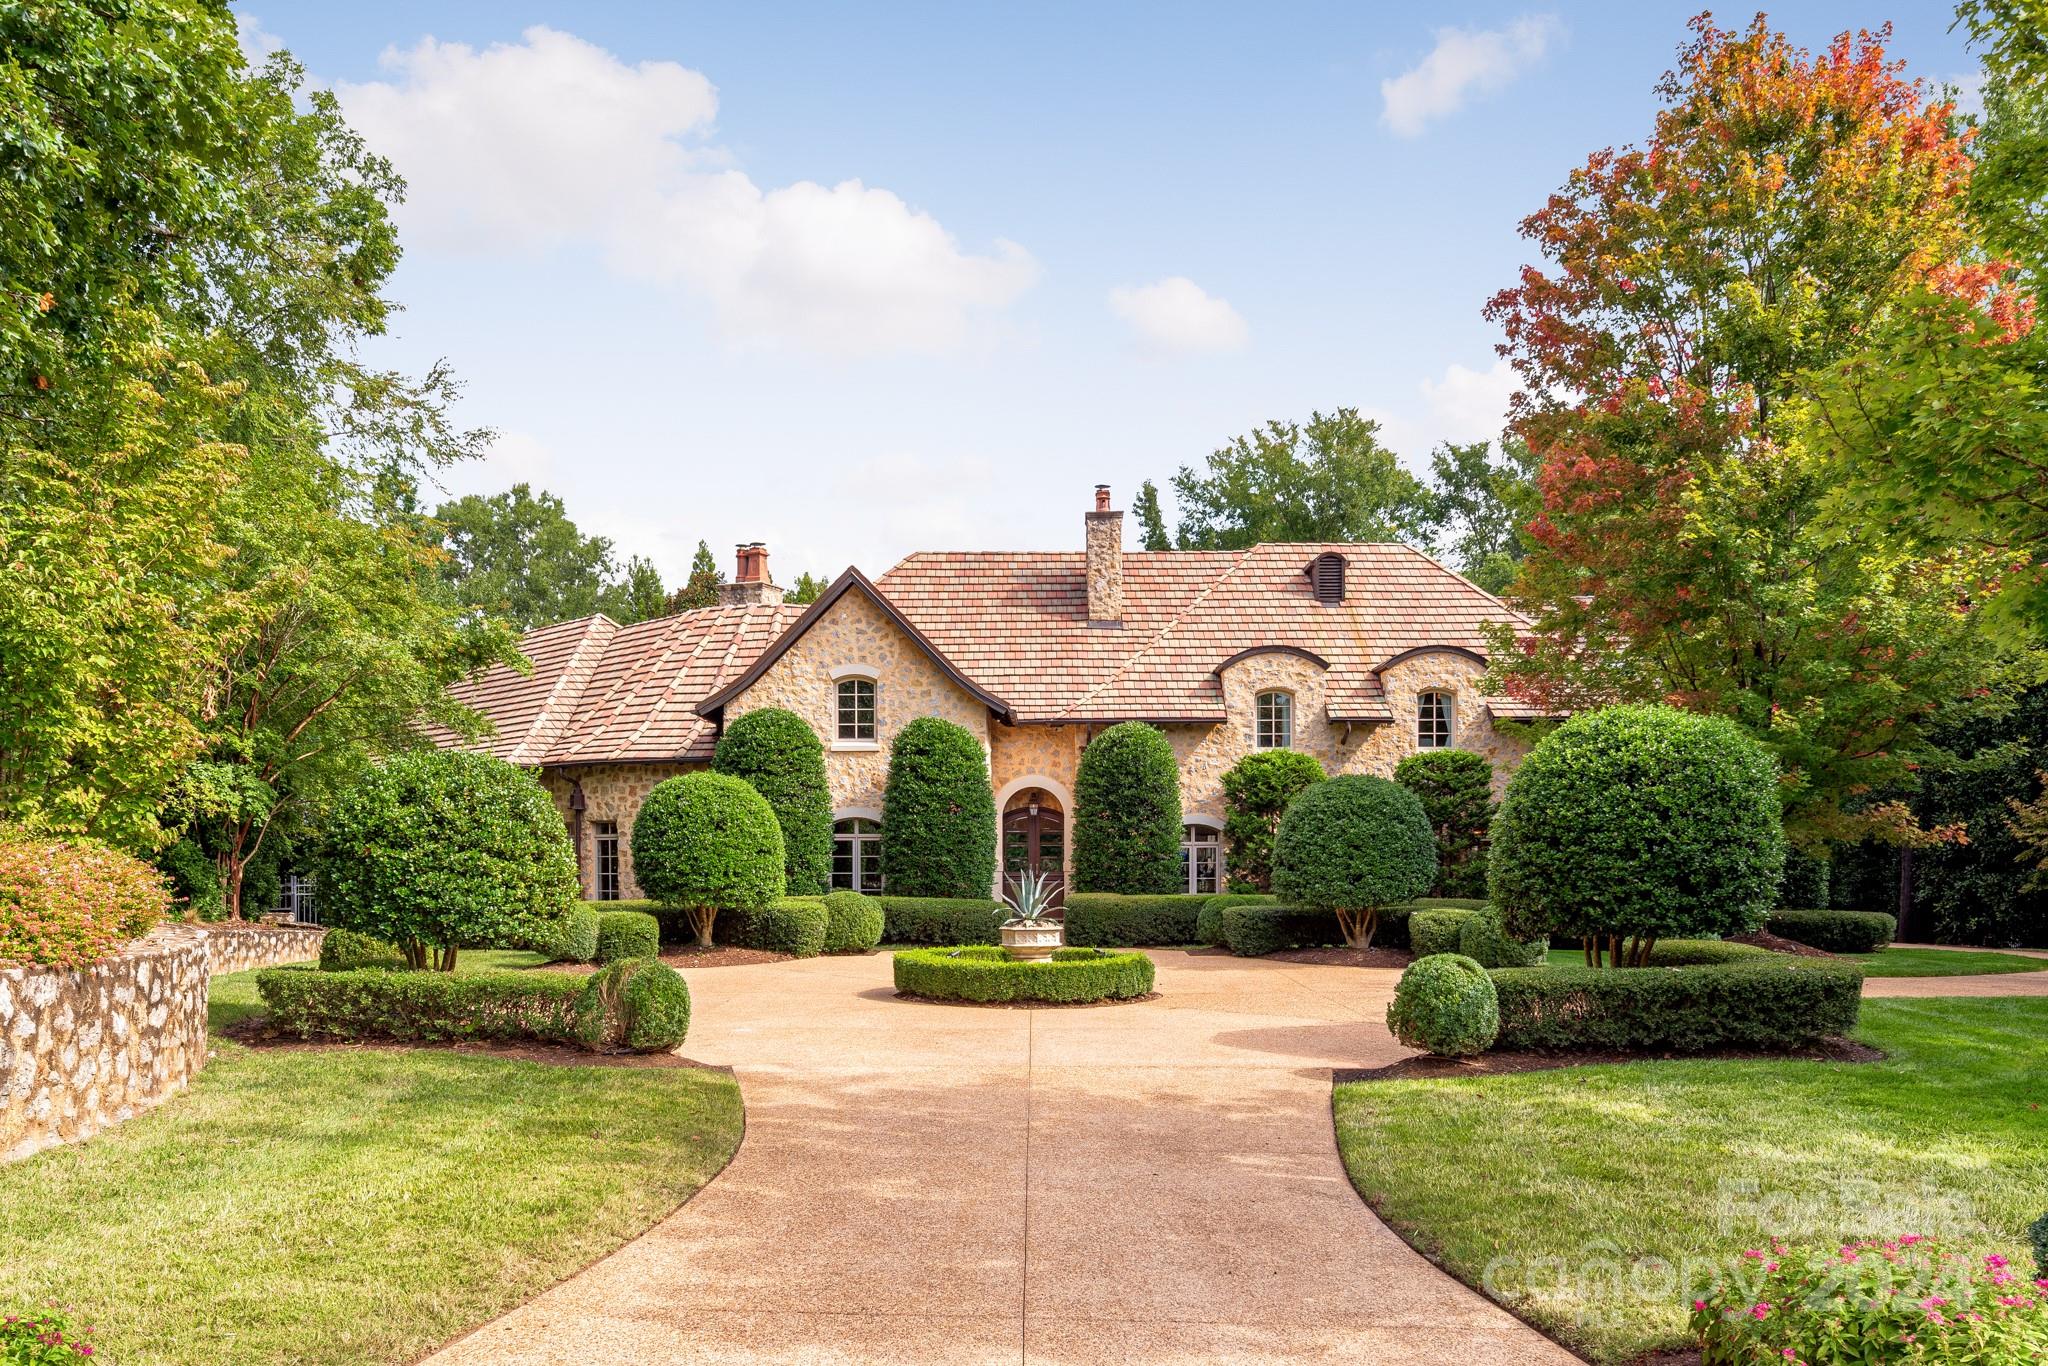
<point x="750" y="586"/>
<point x="1105" y="562"/>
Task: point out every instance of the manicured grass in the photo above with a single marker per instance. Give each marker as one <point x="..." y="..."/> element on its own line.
<point x="1942" y="963"/>
<point x="1601" y="1166"/>
<point x="351" y="1205"/>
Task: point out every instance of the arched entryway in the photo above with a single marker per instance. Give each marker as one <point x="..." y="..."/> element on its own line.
<point x="1035" y="841"/>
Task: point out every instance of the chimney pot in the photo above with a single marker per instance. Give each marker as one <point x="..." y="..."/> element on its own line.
<point x="750" y="584"/>
<point x="1102" y="497"/>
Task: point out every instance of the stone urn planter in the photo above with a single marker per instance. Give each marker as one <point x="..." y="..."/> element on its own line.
<point x="1031" y="940"/>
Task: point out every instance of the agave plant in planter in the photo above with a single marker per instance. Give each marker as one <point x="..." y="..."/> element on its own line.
<point x="1029" y="932"/>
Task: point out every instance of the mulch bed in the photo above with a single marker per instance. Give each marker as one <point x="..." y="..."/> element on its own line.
<point x="1764" y="939"/>
<point x="1029" y="1005"/>
<point x="255" y="1032"/>
<point x="1488" y="1064"/>
<point x="1346" y="958"/>
<point x="680" y="957"/>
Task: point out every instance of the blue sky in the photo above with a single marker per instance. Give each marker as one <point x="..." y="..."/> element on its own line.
<point x="857" y="280"/>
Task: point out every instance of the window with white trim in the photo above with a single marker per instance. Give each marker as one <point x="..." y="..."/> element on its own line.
<point x="607" y="859"/>
<point x="1433" y="720"/>
<point x="1273" y="721"/>
<point x="856" y="708"/>
<point x="1201" y="859"/>
<point x="857" y="855"/>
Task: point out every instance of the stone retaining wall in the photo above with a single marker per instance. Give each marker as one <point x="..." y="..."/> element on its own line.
<point x="81" y="1049"/>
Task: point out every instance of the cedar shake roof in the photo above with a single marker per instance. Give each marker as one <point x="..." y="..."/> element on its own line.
<point x="1013" y="629"/>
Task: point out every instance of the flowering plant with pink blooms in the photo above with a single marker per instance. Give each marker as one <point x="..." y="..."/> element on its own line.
<point x="1908" y="1299"/>
<point x="48" y="1338"/>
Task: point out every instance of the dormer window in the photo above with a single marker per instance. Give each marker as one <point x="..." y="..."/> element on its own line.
<point x="1433" y="720"/>
<point x="857" y="710"/>
<point x="1273" y="721"/>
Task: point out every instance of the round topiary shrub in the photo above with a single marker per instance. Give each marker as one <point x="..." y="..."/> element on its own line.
<point x="793" y="925"/>
<point x="781" y="756"/>
<point x="345" y="951"/>
<point x="68" y="903"/>
<point x="571" y="937"/>
<point x="705" y="843"/>
<point x="1486" y="941"/>
<point x="640" y="1004"/>
<point x="441" y="848"/>
<point x="1127" y="825"/>
<point x="853" y="922"/>
<point x="1455" y="788"/>
<point x="1637" y="823"/>
<point x="626" y="934"/>
<point x="938" y="814"/>
<point x="1352" y="845"/>
<point x="1256" y="792"/>
<point x="1446" y="1005"/>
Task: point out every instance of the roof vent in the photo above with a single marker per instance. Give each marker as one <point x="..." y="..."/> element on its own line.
<point x="1326" y="575"/>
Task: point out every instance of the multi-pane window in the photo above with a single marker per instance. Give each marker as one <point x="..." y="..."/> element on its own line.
<point x="857" y="855"/>
<point x="1433" y="720"/>
<point x="1273" y="727"/>
<point x="607" y="860"/>
<point x="1201" y="859"/>
<point x="857" y="709"/>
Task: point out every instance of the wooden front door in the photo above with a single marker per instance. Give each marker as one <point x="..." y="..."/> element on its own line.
<point x="1035" y="842"/>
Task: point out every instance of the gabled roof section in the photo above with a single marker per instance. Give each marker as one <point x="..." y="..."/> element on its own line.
<point x="850" y="581"/>
<point x="530" y="711"/>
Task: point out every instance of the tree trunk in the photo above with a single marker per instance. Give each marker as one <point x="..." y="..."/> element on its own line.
<point x="701" y="919"/>
<point x="1359" y="926"/>
<point x="444" y="958"/>
<point x="415" y="953"/>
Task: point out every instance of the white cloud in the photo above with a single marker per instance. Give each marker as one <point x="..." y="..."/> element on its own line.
<point x="1176" y="314"/>
<point x="1470" y="405"/>
<point x="1464" y="62"/>
<point x="554" y="142"/>
<point x="257" y="42"/>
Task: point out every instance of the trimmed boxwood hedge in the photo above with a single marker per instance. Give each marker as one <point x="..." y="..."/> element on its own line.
<point x="1209" y="916"/>
<point x="640" y="1004"/>
<point x="792" y="925"/>
<point x="1446" y="1005"/>
<point x="983" y="973"/>
<point x="940" y="920"/>
<point x="345" y="951"/>
<point x="1436" y="931"/>
<point x="627" y="934"/>
<point x="1108" y="919"/>
<point x="570" y="937"/>
<point x="1775" y="1002"/>
<point x="1485" y="940"/>
<point x="1835" y="931"/>
<point x="853" y="922"/>
<point x="1693" y="953"/>
<point x="378" y="1003"/>
<point x="1255" y="931"/>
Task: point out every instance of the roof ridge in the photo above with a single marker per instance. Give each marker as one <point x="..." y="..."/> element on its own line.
<point x="1236" y="563"/>
<point x="659" y="669"/>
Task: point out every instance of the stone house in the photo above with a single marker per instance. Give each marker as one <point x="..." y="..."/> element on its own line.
<point x="1358" y="654"/>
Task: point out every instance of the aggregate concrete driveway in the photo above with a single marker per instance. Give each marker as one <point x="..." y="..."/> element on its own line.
<point x="1148" y="1182"/>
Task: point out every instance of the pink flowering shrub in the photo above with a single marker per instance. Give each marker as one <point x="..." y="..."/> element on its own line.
<point x="1910" y="1299"/>
<point x="65" y="904"/>
<point x="49" y="1338"/>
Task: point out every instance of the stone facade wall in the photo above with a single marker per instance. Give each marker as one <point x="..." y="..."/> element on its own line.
<point x="856" y="633"/>
<point x="268" y="947"/>
<point x="82" y="1049"/>
<point x="611" y="792"/>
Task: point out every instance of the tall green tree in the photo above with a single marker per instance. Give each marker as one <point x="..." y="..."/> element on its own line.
<point x="1485" y="505"/>
<point x="701" y="588"/>
<point x="516" y="555"/>
<point x="638" y="595"/>
<point x="1151" y="521"/>
<point x="1327" y="479"/>
<point x="807" y="589"/>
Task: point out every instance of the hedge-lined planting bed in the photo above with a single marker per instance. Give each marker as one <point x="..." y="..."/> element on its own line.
<point x="940" y="920"/>
<point x="1434" y="931"/>
<point x="1209" y="917"/>
<point x="1772" y="1003"/>
<point x="793" y="925"/>
<point x="1108" y="919"/>
<point x="986" y="974"/>
<point x="427" y="1006"/>
<point x="626" y="934"/>
<point x="1835" y="931"/>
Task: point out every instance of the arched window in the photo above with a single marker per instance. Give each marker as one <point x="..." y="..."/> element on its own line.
<point x="1433" y="720"/>
<point x="857" y="709"/>
<point x="857" y="855"/>
<point x="1273" y="726"/>
<point x="1201" y="859"/>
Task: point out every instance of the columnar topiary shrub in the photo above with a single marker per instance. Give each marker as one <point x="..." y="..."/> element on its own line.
<point x="705" y="843"/>
<point x="779" y="753"/>
<point x="853" y="922"/>
<point x="1256" y="791"/>
<point x="1456" y="791"/>
<point x="1445" y="1004"/>
<point x="1127" y="825"/>
<point x="1635" y="823"/>
<point x="1352" y="845"/>
<point x="441" y="848"/>
<point x="938" y="814"/>
<point x="65" y="904"/>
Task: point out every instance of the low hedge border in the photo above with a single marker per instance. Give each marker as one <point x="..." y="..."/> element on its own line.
<point x="1437" y="930"/>
<point x="793" y="925"/>
<point x="1835" y="931"/>
<point x="987" y="974"/>
<point x="1776" y="1002"/>
<point x="1695" y="953"/>
<point x="1111" y="919"/>
<point x="1255" y="931"/>
<point x="940" y="920"/>
<point x="1209" y="918"/>
<point x="431" y="1007"/>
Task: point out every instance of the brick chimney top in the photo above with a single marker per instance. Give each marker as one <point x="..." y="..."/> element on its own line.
<point x="1102" y="497"/>
<point x="750" y="583"/>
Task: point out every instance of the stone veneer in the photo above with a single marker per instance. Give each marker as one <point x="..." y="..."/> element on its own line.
<point x="84" y="1048"/>
<point x="611" y="792"/>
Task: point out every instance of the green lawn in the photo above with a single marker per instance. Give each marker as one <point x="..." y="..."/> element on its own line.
<point x="351" y="1205"/>
<point x="1600" y="1166"/>
<point x="1942" y="963"/>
